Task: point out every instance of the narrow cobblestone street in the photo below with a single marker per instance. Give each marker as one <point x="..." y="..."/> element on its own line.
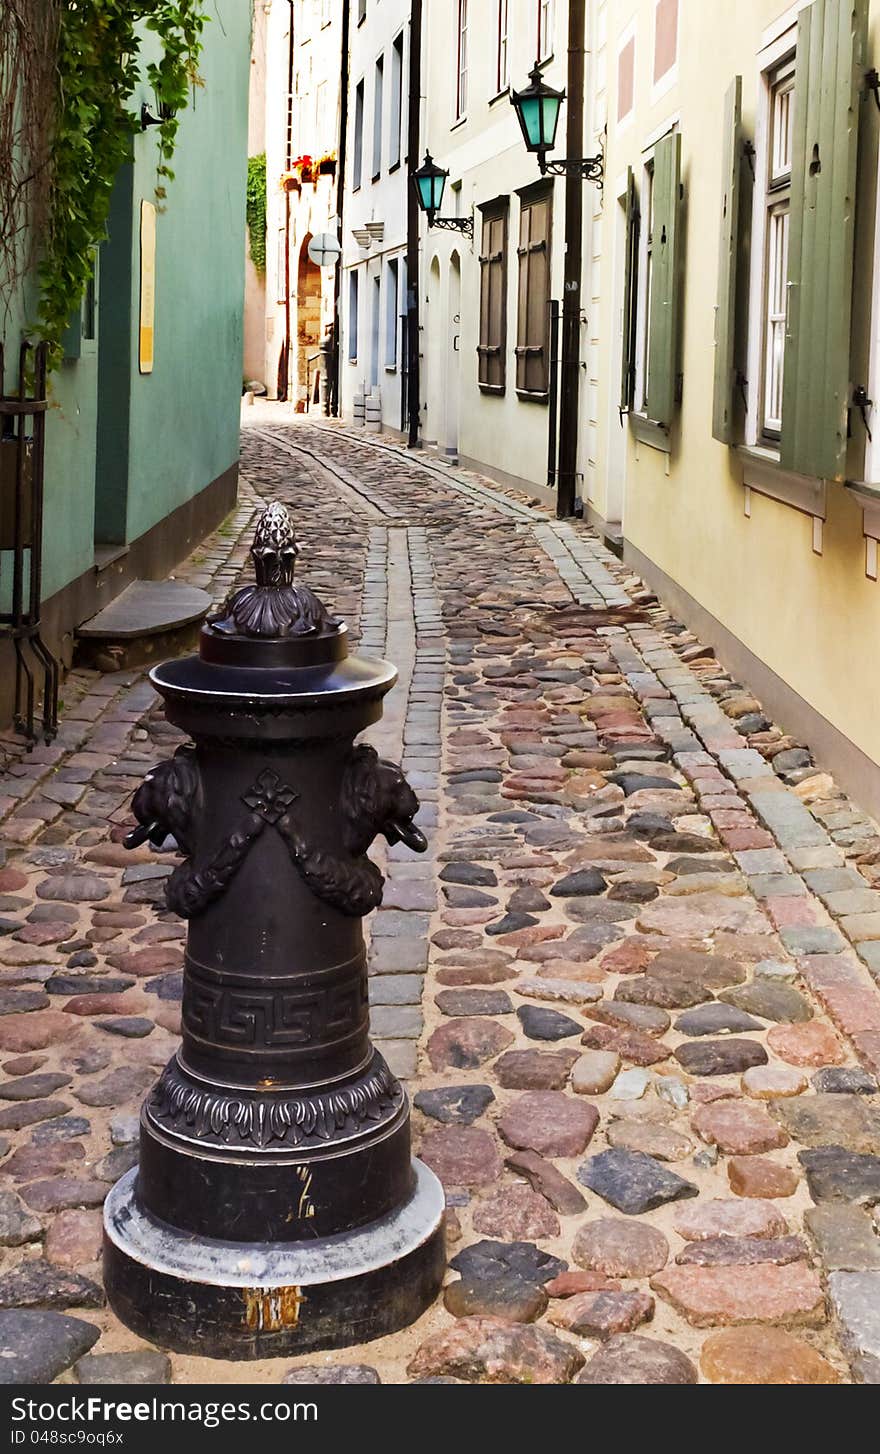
<point x="631" y="985"/>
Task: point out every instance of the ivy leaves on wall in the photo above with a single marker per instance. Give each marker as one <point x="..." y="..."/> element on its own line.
<point x="74" y="142"/>
<point x="256" y="210"/>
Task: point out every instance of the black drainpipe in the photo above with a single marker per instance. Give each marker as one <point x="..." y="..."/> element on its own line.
<point x="284" y="362"/>
<point x="412" y="221"/>
<point x="571" y="298"/>
<point x="336" y="382"/>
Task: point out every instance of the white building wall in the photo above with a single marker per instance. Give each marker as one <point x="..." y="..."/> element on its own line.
<point x="504" y="435"/>
<point x="373" y="354"/>
<point x="292" y="285"/>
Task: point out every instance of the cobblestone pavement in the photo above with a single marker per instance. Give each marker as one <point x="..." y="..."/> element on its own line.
<point x="631" y="984"/>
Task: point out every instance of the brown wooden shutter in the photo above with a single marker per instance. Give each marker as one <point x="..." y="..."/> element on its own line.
<point x="533" y="312"/>
<point x="830" y="60"/>
<point x="493" y="301"/>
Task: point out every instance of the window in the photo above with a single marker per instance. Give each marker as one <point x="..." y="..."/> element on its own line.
<point x="361" y="11"/>
<point x="777" y="205"/>
<point x="502" y="69"/>
<point x="375" y="315"/>
<point x="545" y="29"/>
<point x="665" y="37"/>
<point x="533" y="311"/>
<point x="461" y="81"/>
<point x="378" y="109"/>
<point x="353" y="301"/>
<point x="396" y="118"/>
<point x="357" y="163"/>
<point x="657" y="389"/>
<point x="326" y="12"/>
<point x="391" y="305"/>
<point x="281" y="266"/>
<point x="493" y="299"/>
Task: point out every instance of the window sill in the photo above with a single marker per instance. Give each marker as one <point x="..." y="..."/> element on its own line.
<point x="647" y="431"/>
<point x="394" y="167"/>
<point x="528" y="397"/>
<point x="762" y="473"/>
<point x="497" y="389"/>
<point x="499" y="95"/>
<point x="391" y="368"/>
<point x="459" y="121"/>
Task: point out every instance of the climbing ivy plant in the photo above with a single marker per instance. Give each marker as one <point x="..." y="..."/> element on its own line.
<point x="256" y="210"/>
<point x="58" y="165"/>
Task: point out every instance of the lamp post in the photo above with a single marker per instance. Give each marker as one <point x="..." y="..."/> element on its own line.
<point x="429" y="182"/>
<point x="537" y="108"/>
<point x="276" y="1208"/>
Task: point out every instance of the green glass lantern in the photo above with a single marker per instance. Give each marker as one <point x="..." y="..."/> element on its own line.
<point x="430" y="180"/>
<point x="537" y="109"/>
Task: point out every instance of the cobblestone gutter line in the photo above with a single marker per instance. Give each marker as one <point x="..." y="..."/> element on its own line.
<point x="410" y="733"/>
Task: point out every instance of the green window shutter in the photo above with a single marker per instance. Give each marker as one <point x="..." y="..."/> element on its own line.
<point x="665" y="290"/>
<point x="630" y="294"/>
<point x="831" y="42"/>
<point x="724" y="406"/>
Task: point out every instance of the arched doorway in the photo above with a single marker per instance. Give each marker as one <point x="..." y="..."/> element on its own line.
<point x="453" y="356"/>
<point x="308" y="327"/>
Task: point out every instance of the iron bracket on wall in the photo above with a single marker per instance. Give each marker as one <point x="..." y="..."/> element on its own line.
<point x="590" y="169"/>
<point x="455" y="224"/>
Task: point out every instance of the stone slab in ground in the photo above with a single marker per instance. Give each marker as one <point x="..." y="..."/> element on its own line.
<point x="486" y="1350"/>
<point x="36" y="1346"/>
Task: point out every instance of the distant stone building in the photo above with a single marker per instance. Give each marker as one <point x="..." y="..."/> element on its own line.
<point x="373" y="366"/>
<point x="298" y="47"/>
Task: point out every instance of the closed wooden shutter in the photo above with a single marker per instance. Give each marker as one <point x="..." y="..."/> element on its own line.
<point x="533" y="310"/>
<point x="665" y="281"/>
<point x="630" y="294"/>
<point x="725" y="405"/>
<point x="493" y="301"/>
<point x="830" y="60"/>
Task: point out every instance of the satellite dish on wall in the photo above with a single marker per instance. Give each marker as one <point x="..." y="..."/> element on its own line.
<point x="324" y="249"/>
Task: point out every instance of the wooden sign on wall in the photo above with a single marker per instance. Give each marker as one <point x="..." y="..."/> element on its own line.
<point x="146" y="335"/>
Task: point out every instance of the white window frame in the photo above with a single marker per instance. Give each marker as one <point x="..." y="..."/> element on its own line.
<point x="377" y="138"/>
<point x="502" y="49"/>
<point x="669" y="78"/>
<point x="546" y="28"/>
<point x="769" y="62"/>
<point x="761" y="473"/>
<point x="461" y="61"/>
<point x="396" y="107"/>
<point x="392" y="313"/>
<point x="354" y="290"/>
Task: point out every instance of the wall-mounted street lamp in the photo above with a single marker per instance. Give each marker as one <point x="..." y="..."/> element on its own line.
<point x="429" y="181"/>
<point x="537" y="109"/>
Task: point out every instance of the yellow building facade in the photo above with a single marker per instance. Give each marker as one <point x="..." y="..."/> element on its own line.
<point x="734" y="345"/>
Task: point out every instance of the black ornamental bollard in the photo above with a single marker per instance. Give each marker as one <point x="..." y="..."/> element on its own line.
<point x="276" y="1208"/>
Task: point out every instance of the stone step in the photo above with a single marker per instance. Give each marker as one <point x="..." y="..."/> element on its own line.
<point x="149" y="620"/>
